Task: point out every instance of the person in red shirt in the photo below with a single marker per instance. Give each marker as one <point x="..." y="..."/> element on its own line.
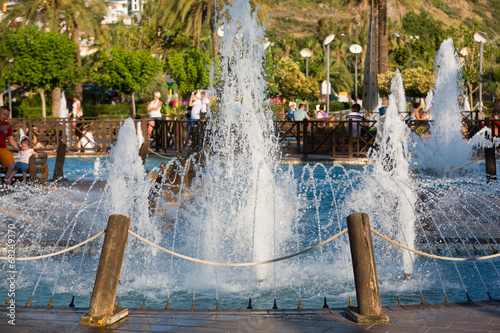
<point x="6" y="157"/>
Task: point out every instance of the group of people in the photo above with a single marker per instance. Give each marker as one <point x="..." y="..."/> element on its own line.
<point x="6" y="158"/>
<point x="301" y="114"/>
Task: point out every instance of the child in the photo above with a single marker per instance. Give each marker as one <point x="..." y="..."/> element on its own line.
<point x="24" y="157"/>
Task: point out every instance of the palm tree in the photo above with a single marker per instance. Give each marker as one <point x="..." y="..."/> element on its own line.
<point x="194" y="13"/>
<point x="383" y="38"/>
<point x="64" y="16"/>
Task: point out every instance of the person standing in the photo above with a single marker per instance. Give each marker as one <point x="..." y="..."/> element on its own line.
<point x="6" y="157"/>
<point x="196" y="104"/>
<point x="76" y="110"/>
<point x="154" y="111"/>
<point x="205" y="102"/>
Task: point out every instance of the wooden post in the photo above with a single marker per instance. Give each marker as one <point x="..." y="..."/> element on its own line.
<point x="491" y="166"/>
<point x="61" y="155"/>
<point x="350" y="141"/>
<point x="365" y="272"/>
<point x="304" y="138"/>
<point x="333" y="138"/>
<point x="101" y="310"/>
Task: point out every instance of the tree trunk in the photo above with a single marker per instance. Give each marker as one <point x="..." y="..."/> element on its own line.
<point x="78" y="86"/>
<point x="42" y="97"/>
<point x="375" y="13"/>
<point x="215" y="42"/>
<point x="1" y="98"/>
<point x="132" y="109"/>
<point x="56" y="102"/>
<point x="383" y="41"/>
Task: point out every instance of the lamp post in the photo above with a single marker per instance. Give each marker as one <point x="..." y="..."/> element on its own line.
<point x="355" y="48"/>
<point x="9" y="91"/>
<point x="306" y="53"/>
<point x="481" y="38"/>
<point x="395" y="34"/>
<point x="326" y="43"/>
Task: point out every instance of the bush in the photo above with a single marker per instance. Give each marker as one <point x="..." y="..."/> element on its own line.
<point x="31" y="107"/>
<point x="334" y="106"/>
<point x="122" y="109"/>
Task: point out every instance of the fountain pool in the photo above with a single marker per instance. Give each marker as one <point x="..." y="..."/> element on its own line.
<point x="243" y="205"/>
<point x="458" y="209"/>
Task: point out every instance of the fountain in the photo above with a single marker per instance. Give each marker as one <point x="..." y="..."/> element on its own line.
<point x="244" y="205"/>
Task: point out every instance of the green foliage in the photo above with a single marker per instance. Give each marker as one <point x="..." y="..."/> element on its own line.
<point x="292" y="83"/>
<point x="334" y="106"/>
<point x="28" y="107"/>
<point x="430" y="34"/>
<point x="121" y="109"/>
<point x="44" y="60"/>
<point x="158" y="84"/>
<point x="416" y="81"/>
<point x="126" y="71"/>
<point x="189" y="68"/>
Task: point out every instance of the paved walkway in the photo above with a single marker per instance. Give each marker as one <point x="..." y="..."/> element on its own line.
<point x="475" y="317"/>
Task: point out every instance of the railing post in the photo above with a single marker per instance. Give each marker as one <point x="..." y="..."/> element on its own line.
<point x="305" y="126"/>
<point x="101" y="310"/>
<point x="350" y="137"/>
<point x="333" y="138"/>
<point x="365" y="272"/>
<point x="491" y="165"/>
<point x="178" y="135"/>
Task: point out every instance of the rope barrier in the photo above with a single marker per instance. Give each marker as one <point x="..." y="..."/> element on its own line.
<point x="460" y="167"/>
<point x="56" y="253"/>
<point x="213" y="263"/>
<point x="155" y="153"/>
<point x="432" y="255"/>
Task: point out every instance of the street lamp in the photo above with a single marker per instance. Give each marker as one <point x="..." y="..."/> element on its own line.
<point x="10" y="88"/>
<point x="306" y="53"/>
<point x="326" y="43"/>
<point x="395" y="34"/>
<point x="481" y="38"/>
<point x="355" y="48"/>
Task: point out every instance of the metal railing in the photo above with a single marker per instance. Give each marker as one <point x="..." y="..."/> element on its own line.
<point x="319" y="137"/>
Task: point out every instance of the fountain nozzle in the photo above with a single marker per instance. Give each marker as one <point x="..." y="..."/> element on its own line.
<point x="249" y="304"/>
<point x="167" y="307"/>
<point x="325" y="305"/>
<point x="72" y="304"/>
<point x="29" y="302"/>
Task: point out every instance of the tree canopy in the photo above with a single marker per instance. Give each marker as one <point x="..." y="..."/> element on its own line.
<point x="126" y="71"/>
<point x="189" y="68"/>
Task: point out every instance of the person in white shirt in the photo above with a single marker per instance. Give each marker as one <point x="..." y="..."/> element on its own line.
<point x="154" y="111"/>
<point x="76" y="111"/>
<point x="196" y="104"/>
<point x="205" y="102"/>
<point x="154" y="107"/>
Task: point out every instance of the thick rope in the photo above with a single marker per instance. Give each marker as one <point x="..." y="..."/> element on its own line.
<point x="213" y="263"/>
<point x="55" y="253"/>
<point x="434" y="256"/>
<point x="155" y="153"/>
<point x="460" y="167"/>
